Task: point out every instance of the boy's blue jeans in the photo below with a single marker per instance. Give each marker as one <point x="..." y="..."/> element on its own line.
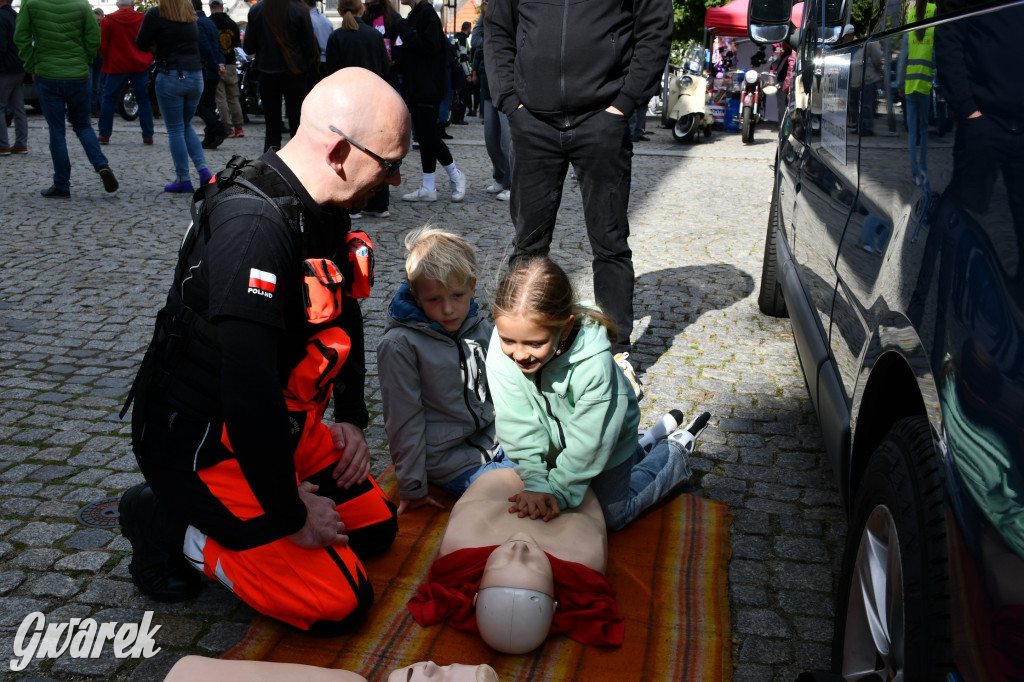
<point x="638" y="483"/>
<point x="458" y="485"/>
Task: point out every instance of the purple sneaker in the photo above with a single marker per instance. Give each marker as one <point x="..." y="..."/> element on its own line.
<point x="183" y="187"/>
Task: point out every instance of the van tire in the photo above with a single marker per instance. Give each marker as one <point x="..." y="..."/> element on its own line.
<point x="769" y="299"/>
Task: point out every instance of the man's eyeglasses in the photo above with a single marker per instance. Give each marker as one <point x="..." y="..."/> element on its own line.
<point x="391" y="167"/>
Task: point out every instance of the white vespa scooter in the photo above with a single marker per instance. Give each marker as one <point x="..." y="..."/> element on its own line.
<point x="686" y="103"/>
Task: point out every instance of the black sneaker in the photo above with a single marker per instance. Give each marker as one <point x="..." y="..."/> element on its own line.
<point x="53" y="192"/>
<point x="158" y="567"/>
<point x="107" y="176"/>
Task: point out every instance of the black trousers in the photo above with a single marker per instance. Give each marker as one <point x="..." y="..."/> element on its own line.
<point x="207" y="108"/>
<point x="275" y="87"/>
<point x="601" y="151"/>
<point x="424" y="125"/>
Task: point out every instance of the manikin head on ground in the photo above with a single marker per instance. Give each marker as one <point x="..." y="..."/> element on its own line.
<point x="516" y="601"/>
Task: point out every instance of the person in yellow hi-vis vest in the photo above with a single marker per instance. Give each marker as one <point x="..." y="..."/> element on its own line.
<point x="916" y="76"/>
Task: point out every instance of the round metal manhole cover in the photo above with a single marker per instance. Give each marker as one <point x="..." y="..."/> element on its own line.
<point x="102" y="514"/>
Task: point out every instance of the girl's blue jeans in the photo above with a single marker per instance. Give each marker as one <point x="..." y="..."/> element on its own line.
<point x="638" y="483"/>
<point x="178" y="96"/>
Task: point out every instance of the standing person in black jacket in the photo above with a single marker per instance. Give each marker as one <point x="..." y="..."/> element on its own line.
<point x="213" y="68"/>
<point x="422" y="60"/>
<point x="385" y="20"/>
<point x="568" y="76"/>
<point x="358" y="44"/>
<point x="280" y="34"/>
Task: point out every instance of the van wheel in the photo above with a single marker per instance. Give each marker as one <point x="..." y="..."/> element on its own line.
<point x="769" y="298"/>
<point x="893" y="606"/>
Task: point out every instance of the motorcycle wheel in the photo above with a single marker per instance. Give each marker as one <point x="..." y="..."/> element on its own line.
<point x="747" y="125"/>
<point x="685" y="128"/>
<point x="127" y="105"/>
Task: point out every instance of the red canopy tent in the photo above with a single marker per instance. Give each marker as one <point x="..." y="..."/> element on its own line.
<point x="731" y="20"/>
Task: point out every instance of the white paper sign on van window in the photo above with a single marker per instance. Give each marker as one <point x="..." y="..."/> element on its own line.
<point x="835" y="89"/>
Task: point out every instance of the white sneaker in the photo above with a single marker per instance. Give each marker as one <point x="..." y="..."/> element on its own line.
<point x="622" y="360"/>
<point x="494" y="187"/>
<point x="503" y="195"/>
<point x="377" y="214"/>
<point x="459" y="187"/>
<point x="421" y="194"/>
<point x="355" y="216"/>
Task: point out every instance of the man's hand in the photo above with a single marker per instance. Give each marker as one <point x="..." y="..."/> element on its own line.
<point x="323" y="526"/>
<point x="536" y="505"/>
<point x="354" y="456"/>
<point x="409" y="505"/>
<point x="613" y="110"/>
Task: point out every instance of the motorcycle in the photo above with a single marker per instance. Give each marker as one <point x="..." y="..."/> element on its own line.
<point x="127" y="104"/>
<point x="248" y="84"/>
<point x="753" y="101"/>
<point x="687" y="99"/>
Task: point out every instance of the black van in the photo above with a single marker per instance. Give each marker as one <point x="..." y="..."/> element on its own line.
<point x="897" y="251"/>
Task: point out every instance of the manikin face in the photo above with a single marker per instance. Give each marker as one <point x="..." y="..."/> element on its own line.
<point x="528" y="343"/>
<point x="446" y="305"/>
<point x="521" y="563"/>
<point x="428" y="670"/>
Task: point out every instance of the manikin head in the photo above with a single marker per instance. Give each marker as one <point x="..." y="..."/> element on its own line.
<point x="516" y="601"/>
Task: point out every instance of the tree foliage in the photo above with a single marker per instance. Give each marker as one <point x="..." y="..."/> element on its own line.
<point x="689" y="17"/>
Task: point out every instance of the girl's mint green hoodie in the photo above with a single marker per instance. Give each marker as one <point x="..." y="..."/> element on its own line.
<point x="574" y="418"/>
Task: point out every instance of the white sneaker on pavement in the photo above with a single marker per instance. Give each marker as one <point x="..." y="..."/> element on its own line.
<point x="459" y="187"/>
<point x="377" y="214"/>
<point x="494" y="187"/>
<point x="421" y="194"/>
<point x="503" y="195"/>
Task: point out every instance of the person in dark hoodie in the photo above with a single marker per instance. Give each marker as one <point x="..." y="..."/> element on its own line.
<point x="280" y="34"/>
<point x="215" y="131"/>
<point x="437" y="408"/>
<point x="568" y="76"/>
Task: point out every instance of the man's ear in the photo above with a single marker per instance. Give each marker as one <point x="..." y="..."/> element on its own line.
<point x="337" y="153"/>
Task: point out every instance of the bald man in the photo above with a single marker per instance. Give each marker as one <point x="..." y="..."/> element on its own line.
<point x="231" y="488"/>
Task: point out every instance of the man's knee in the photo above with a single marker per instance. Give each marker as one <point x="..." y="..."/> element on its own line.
<point x="376" y="538"/>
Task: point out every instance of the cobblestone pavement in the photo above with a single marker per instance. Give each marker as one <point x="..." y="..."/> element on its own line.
<point x="81" y="280"/>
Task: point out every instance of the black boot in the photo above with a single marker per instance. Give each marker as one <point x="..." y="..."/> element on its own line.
<point x="158" y="567"/>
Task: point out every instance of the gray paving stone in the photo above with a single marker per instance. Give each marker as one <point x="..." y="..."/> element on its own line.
<point x="14" y="609"/>
<point x="50" y="472"/>
<point x="90" y="538"/>
<point x="813" y="656"/>
<point x="83" y="561"/>
<point x="107" y="593"/>
<point x="41" y="533"/>
<point x="757" y="649"/>
<point x="10" y="580"/>
<point x="222" y="636"/>
<point x="55" y="585"/>
<point x="801" y="549"/>
<point x="762" y="622"/>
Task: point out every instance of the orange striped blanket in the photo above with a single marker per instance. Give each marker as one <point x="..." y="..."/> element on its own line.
<point x="669" y="569"/>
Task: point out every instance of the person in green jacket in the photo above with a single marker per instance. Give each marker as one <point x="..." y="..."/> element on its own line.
<point x="564" y="410"/>
<point x="57" y="41"/>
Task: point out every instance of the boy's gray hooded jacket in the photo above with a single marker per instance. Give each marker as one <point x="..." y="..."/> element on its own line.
<point x="437" y="409"/>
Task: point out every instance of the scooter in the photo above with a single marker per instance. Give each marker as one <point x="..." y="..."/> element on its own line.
<point x="687" y="99"/>
<point x="756" y="86"/>
<point x="248" y="85"/>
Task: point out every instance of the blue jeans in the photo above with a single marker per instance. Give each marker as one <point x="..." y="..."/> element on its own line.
<point x="917" y="130"/>
<point x="178" y="98"/>
<point x="458" y="485"/>
<point x="56" y="97"/>
<point x="139" y="83"/>
<point x="638" y="483"/>
<point x="497" y="138"/>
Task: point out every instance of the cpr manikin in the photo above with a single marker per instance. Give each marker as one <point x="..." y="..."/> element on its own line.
<point x="517" y="598"/>
<point x="202" y="669"/>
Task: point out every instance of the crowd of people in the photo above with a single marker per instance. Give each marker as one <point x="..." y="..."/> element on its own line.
<point x="196" y="74"/>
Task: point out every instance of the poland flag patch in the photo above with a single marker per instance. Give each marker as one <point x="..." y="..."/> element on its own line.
<point x="262" y="283"/>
